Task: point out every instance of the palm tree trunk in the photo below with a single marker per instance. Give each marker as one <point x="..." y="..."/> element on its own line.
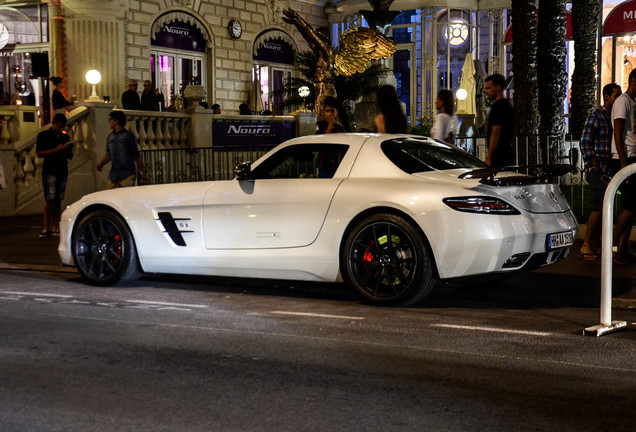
<point x="585" y="16"/>
<point x="524" y="70"/>
<point x="551" y="61"/>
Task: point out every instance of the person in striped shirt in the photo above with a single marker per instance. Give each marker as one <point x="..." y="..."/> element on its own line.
<point x="596" y="148"/>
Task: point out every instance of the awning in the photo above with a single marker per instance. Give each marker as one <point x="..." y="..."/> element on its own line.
<point x="171" y="17"/>
<point x="271" y="34"/>
<point x="621" y="20"/>
<point x="568" y="29"/>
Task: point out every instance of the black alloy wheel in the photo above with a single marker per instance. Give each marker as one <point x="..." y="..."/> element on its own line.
<point x="104" y="250"/>
<point x="387" y="261"/>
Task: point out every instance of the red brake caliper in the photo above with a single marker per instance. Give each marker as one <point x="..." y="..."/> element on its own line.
<point x="117" y="240"/>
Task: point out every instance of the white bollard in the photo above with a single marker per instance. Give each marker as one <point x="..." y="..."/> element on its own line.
<point x="607" y="325"/>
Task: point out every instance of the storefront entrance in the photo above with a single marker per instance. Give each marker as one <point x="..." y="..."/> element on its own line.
<point x="178" y="55"/>
<point x="273" y="56"/>
<point x="173" y="70"/>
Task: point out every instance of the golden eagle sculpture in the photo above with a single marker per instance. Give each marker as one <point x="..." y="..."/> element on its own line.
<point x="357" y="48"/>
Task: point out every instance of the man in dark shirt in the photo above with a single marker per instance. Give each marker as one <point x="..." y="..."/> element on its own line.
<point x="130" y="98"/>
<point x="330" y="112"/>
<point x="54" y="146"/>
<point x="121" y="150"/>
<point x="151" y="100"/>
<point x="500" y="124"/>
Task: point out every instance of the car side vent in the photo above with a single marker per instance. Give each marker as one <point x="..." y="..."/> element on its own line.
<point x="170" y="225"/>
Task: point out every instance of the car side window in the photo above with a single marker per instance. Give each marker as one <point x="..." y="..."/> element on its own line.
<point x="302" y="161"/>
<point x="413" y="155"/>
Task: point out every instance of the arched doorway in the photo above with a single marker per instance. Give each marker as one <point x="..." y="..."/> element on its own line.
<point x="273" y="59"/>
<point x="178" y="55"/>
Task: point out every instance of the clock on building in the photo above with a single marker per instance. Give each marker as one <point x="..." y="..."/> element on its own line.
<point x="235" y="28"/>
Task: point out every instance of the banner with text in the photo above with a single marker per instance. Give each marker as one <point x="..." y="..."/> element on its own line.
<point x="251" y="133"/>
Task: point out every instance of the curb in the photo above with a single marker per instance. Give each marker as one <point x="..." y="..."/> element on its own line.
<point x="39" y="268"/>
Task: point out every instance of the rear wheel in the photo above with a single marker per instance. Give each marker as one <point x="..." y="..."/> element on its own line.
<point x="104" y="249"/>
<point x="386" y="260"/>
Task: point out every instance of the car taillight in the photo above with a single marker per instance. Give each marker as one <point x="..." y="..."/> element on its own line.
<point x="481" y="205"/>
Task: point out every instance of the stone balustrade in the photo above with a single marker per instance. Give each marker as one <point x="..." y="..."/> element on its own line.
<point x="158" y="130"/>
<point x="5" y="126"/>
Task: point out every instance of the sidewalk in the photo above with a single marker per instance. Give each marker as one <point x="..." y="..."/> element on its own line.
<point x="22" y="249"/>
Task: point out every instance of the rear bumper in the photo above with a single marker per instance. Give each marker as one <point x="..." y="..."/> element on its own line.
<point x="471" y="245"/>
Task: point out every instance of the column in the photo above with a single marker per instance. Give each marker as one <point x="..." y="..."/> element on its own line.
<point x="495" y="21"/>
<point x="96" y="39"/>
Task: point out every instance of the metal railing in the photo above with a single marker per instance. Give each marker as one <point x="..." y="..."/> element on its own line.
<point x="177" y="165"/>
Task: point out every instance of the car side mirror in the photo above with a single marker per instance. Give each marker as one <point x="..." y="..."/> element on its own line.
<point x="243" y="171"/>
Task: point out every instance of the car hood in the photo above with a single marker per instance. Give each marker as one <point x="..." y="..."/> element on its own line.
<point x="534" y="198"/>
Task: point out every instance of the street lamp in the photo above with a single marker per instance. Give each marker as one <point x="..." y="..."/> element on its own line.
<point x="303" y="92"/>
<point x="93" y="77"/>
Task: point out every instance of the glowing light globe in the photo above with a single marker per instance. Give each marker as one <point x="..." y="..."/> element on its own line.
<point x="93" y="77"/>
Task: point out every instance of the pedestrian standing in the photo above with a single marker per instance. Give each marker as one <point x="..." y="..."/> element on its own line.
<point x="150" y="98"/>
<point x="122" y="152"/>
<point x="60" y="103"/>
<point x="391" y="118"/>
<point x="500" y="123"/>
<point x="130" y="98"/>
<point x="623" y="154"/>
<point x="330" y="114"/>
<point x="444" y="127"/>
<point x="596" y="148"/>
<point x="54" y="146"/>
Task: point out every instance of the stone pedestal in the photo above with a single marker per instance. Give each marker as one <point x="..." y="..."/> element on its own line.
<point x="305" y="123"/>
<point x="200" y="126"/>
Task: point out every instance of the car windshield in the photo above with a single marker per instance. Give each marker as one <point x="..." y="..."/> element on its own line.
<point x="414" y="155"/>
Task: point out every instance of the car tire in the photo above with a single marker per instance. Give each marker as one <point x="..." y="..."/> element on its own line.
<point x="395" y="272"/>
<point x="104" y="249"/>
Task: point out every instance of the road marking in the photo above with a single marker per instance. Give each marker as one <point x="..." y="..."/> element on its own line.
<point x="167" y="304"/>
<point x="317" y="315"/>
<point x="419" y="348"/>
<point x="36" y="294"/>
<point x="493" y="329"/>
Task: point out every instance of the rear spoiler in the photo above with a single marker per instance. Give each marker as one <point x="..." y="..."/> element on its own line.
<point x="546" y="173"/>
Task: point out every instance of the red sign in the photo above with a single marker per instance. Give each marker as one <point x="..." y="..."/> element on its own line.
<point x="621" y="20"/>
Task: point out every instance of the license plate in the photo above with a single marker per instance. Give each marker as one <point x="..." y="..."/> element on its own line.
<point x="560" y="240"/>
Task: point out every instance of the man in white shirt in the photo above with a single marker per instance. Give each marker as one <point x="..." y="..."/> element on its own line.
<point x="624" y="153"/>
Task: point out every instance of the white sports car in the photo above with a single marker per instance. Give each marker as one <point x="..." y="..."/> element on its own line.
<point x="388" y="214"/>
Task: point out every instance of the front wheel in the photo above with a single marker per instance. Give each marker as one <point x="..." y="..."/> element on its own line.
<point x="386" y="260"/>
<point x="104" y="249"/>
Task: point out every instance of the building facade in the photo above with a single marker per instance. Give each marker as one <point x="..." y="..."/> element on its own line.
<point x="241" y="51"/>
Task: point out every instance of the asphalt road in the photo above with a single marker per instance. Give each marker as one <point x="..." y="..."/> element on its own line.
<point x="206" y="354"/>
